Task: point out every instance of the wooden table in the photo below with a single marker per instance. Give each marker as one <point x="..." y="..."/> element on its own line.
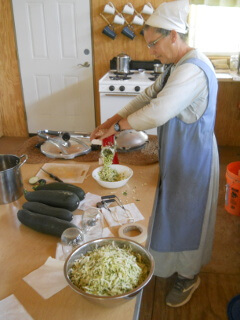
<point x="24" y="250"/>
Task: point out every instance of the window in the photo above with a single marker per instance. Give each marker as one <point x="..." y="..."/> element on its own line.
<point x="215" y="30"/>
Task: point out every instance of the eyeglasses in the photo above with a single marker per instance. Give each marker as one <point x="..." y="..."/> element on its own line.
<point x="152" y="44"/>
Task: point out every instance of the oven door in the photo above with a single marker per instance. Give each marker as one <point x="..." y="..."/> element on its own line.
<point x="110" y="104"/>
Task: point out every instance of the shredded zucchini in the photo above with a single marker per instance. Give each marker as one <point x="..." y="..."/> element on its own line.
<point x="108" y="270"/>
<point x="110" y="175"/>
<point x="107" y="173"/>
<point x="108" y="155"/>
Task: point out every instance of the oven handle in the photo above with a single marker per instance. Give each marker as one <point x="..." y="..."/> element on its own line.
<point x="121" y="94"/>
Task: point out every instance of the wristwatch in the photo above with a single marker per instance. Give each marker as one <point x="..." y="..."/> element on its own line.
<point x="117" y="127"/>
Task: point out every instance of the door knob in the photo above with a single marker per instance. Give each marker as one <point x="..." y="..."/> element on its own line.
<point x="84" y="65"/>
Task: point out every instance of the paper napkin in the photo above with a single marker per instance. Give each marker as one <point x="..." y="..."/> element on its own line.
<point x="90" y="200"/>
<point x="12" y="309"/>
<point x="48" y="279"/>
<point x="118" y="216"/>
<point x="107" y="233"/>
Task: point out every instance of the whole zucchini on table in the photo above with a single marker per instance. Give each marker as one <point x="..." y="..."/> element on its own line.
<point x="44" y="224"/>
<point x="55" y="198"/>
<point x="42" y="208"/>
<point x="63" y="186"/>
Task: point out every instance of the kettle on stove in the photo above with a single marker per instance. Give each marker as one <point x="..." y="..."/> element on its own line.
<point x="123" y="63"/>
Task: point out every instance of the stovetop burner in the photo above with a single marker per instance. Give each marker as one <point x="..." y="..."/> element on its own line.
<point x="123" y="74"/>
<point x="155" y="75"/>
<point x="119" y="77"/>
<point x="114" y="83"/>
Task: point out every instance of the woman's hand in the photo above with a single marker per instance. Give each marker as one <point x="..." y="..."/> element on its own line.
<point x="124" y="125"/>
<point x="104" y="127"/>
<point x="98" y="132"/>
<point x="108" y="133"/>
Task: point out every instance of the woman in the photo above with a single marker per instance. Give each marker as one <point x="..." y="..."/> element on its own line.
<point x="182" y="104"/>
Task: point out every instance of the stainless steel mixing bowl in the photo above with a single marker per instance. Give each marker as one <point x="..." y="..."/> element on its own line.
<point x="109" y="301"/>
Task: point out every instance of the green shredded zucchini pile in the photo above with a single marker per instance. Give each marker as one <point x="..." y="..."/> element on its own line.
<point x="108" y="271"/>
<point x="108" y="155"/>
<point x="107" y="173"/>
<point x="110" y="175"/>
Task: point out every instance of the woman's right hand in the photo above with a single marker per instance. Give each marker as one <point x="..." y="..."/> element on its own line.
<point x="100" y="130"/>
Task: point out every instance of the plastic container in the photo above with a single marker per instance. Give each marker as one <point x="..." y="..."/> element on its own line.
<point x="232" y="195"/>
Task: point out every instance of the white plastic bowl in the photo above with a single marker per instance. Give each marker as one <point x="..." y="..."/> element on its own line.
<point x="116" y="184"/>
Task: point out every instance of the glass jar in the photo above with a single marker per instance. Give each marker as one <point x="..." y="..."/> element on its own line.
<point x="234" y="62"/>
<point x="71" y="238"/>
<point x="92" y="224"/>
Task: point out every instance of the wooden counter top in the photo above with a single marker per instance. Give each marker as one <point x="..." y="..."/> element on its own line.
<point x="24" y="250"/>
<point x="226" y="75"/>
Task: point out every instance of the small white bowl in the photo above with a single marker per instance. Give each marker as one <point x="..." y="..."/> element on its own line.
<point x="116" y="184"/>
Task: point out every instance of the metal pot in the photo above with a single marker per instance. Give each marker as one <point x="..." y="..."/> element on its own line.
<point x="123" y="63"/>
<point x="11" y="186"/>
<point x="158" y="68"/>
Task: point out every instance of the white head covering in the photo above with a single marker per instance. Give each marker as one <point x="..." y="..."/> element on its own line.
<point x="171" y="16"/>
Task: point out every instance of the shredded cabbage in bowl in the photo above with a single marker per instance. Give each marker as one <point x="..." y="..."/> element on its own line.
<point x="108" y="270"/>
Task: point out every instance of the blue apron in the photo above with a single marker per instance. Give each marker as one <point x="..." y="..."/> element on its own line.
<point x="185" y="155"/>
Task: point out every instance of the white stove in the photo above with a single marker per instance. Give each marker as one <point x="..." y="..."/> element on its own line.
<point x="117" y="90"/>
<point x="132" y="83"/>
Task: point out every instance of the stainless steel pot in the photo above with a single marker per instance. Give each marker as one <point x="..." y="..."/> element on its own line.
<point x="158" y="68"/>
<point x="123" y="63"/>
<point x="11" y="186"/>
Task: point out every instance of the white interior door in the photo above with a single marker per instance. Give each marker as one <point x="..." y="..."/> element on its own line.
<point x="55" y="56"/>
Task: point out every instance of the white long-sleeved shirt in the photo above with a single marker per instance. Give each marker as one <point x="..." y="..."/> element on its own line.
<point x="185" y="95"/>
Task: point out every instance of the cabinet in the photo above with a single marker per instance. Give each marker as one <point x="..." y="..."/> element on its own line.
<point x="227" y="127"/>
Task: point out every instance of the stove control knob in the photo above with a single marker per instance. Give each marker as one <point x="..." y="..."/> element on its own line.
<point x="137" y="88"/>
<point x="122" y="88"/>
<point x="111" y="88"/>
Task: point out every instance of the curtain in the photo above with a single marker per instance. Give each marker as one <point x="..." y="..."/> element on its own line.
<point x="224" y="3"/>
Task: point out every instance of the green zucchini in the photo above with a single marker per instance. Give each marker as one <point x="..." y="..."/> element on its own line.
<point x="54" y="198"/>
<point x="42" y="208"/>
<point x="63" y="186"/>
<point x="44" y="224"/>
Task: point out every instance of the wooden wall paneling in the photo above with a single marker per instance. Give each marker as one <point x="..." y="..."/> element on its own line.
<point x="1" y="125"/>
<point x="12" y="109"/>
<point x="105" y="48"/>
<point x="227" y="126"/>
